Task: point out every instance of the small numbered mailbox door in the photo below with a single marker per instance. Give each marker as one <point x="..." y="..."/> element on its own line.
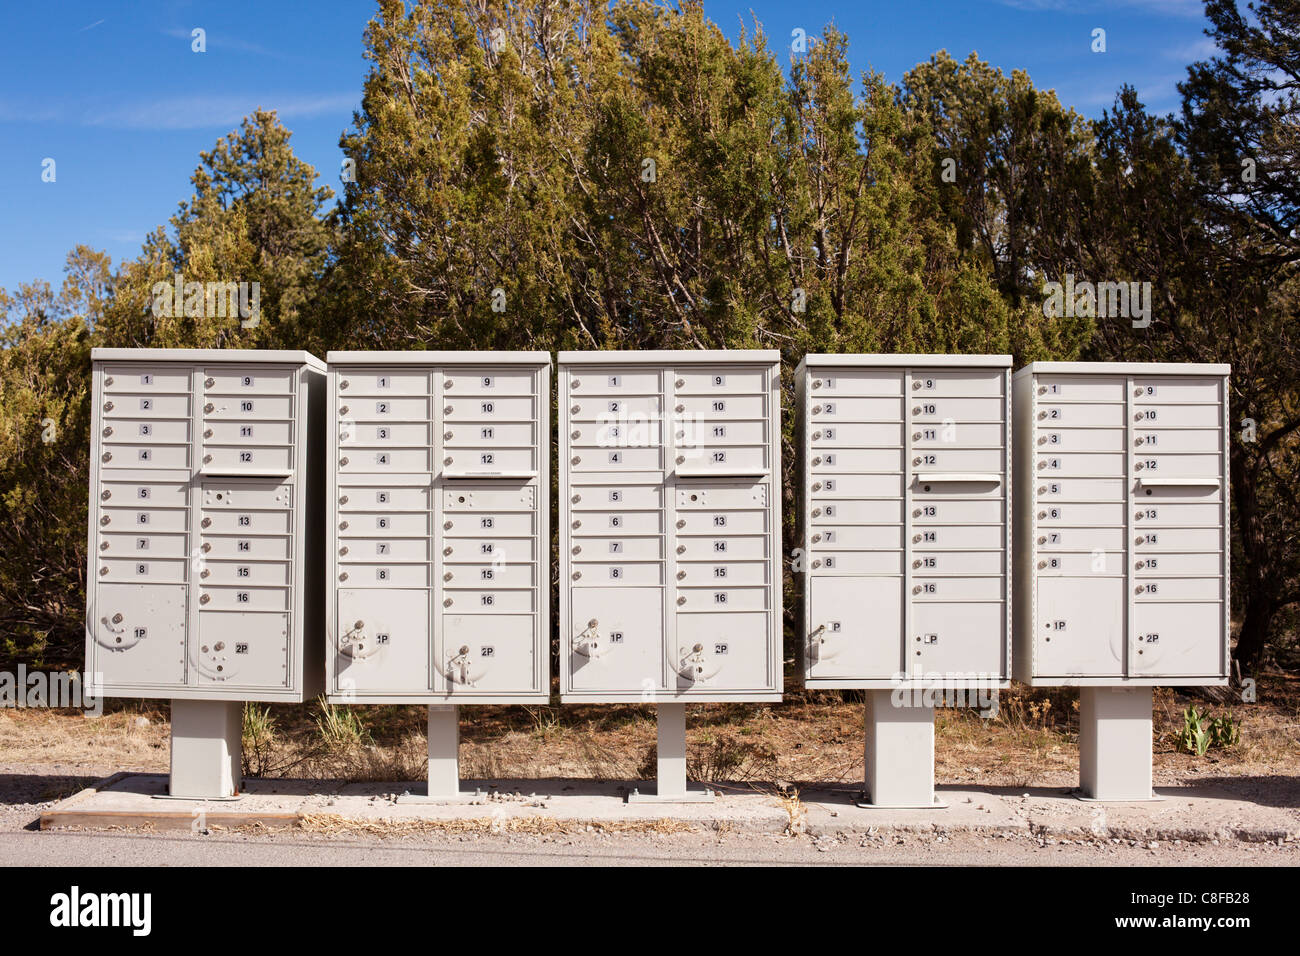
<point x="439" y="532"/>
<point x="193" y="510"/>
<point x="669" y="535"/>
<point x="1128" y="518"/>
<point x="906" y="496"/>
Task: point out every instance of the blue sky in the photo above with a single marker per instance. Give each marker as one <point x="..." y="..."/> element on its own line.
<point x="112" y="92"/>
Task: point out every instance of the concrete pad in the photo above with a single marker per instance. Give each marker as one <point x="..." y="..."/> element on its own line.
<point x="1200" y="813"/>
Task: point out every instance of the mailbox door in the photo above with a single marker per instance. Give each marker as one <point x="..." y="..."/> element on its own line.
<point x="627" y="628"/>
<point x="383" y="641"/>
<point x="855" y="627"/>
<point x="147" y="645"/>
<point x="1079" y="629"/>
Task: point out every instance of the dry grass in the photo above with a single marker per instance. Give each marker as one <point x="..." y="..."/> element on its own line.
<point x="810" y="738"/>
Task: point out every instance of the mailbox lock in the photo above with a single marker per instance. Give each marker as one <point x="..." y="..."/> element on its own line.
<point x="680" y="575"/>
<point x="446" y="602"/>
<point x="106" y="494"/>
<point x="108" y="431"/>
<point x="108" y="406"/>
<point x="575" y="434"/>
<point x="680" y="383"/>
<point x="577" y="549"/>
<point x="681" y="459"/>
<point x="207" y="546"/>
<point x="818" y="511"/>
<point x="209" y="407"/>
<point x="575" y="460"/>
<point x="576" y="575"/>
<point x="448" y="383"/>
<point x="343" y="550"/>
<point x="204" y="573"/>
<point x="817" y="564"/>
<point x="446" y="436"/>
<point x="577" y="524"/>
<point x="817" y="461"/>
<point x="681" y="600"/>
<point x="105" y="520"/>
<point x="343" y="499"/>
<point x="108" y="456"/>
<point x="343" y="460"/>
<point x="681" y="549"/>
<point x="207" y="459"/>
<point x="576" y="498"/>
<point x="448" y="460"/>
<point x="103" y="546"/>
<point x="575" y="409"/>
<point x="343" y="383"/>
<point x="446" y="550"/>
<point x="816" y="435"/>
<point x="447" y="525"/>
<point x="117" y="618"/>
<point x="1042" y="540"/>
<point x="448" y="409"/>
<point x="109" y="380"/>
<point x="681" y="524"/>
<point x="816" y="537"/>
<point x="343" y="576"/>
<point x="574" y="383"/>
<point x="103" y="570"/>
<point x="817" y="486"/>
<point x="343" y="526"/>
<point x="343" y="409"/>
<point x="205" y="599"/>
<point x="207" y="433"/>
<point x="447" y="576"/>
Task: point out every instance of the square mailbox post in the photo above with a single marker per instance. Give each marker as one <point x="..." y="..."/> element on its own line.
<point x="439" y="536"/>
<point x="906" y="529"/>
<point x="1122" y="547"/>
<point x="205" y="576"/>
<point x="670" y="543"/>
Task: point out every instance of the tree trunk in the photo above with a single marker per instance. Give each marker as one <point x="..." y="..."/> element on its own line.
<point x="1253" y="636"/>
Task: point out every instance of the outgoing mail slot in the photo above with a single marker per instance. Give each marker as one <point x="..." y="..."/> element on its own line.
<point x="720" y="381"/>
<point x="963" y="382"/>
<point x="384" y="549"/>
<point x="243" y="598"/>
<point x="477" y="576"/>
<point x="616" y="549"/>
<point x="487" y="408"/>
<point x="616" y="522"/>
<point x="888" y="537"/>
<point x="857" y="512"/>
<point x="141" y="519"/>
<point x="928" y="510"/>
<point x="730" y="547"/>
<point x="615" y="459"/>
<point x="488" y="655"/>
<point x="722" y="459"/>
<point x="251" y="547"/>
<point x="142" y="568"/>
<point x="247" y="522"/>
<point x="1154" y="565"/>
<point x="248" y="407"/>
<point x="1080" y="388"/>
<point x="252" y="433"/>
<point x="247" y="572"/>
<point x="614" y="381"/>
<point x="383" y="498"/>
<point x="384" y="434"/>
<point x="488" y="525"/>
<point x="858" y="435"/>
<point x="1177" y="416"/>
<point x="1053" y="440"/>
<point x="1156" y="541"/>
<point x="143" y="545"/>
<point x="717" y="522"/>
<point x="237" y="458"/>
<point x="736" y="658"/>
<point x="1079" y="415"/>
<point x="488" y="549"/>
<point x="382" y="408"/>
<point x="961" y="537"/>
<point x="720" y="407"/>
<point x="857" y="486"/>
<point x="488" y="436"/>
<point x="146" y="406"/>
<point x="380" y="382"/>
<point x="145" y="493"/>
<point x="856" y="381"/>
<point x="1079" y="465"/>
<point x="632" y="409"/>
<point x="146" y="431"/>
<point x="1177" y="440"/>
<point x="845" y="643"/>
<point x="970" y="434"/>
<point x="717" y="573"/>
<point x="1097" y="561"/>
<point x="858" y="562"/>
<point x="248" y="381"/>
<point x="374" y="524"/>
<point x="145" y="456"/>
<point x="1150" y="491"/>
<point x="1176" y="390"/>
<point x="1072" y="515"/>
<point x="928" y="562"/>
<point x="247" y="650"/>
<point x="355" y="460"/>
<point x="488" y="461"/>
<point x="627" y="497"/>
<point x="1178" y="640"/>
<point x="1081" y="539"/>
<point x="1179" y="589"/>
<point x="1081" y="489"/>
<point x="958" y="589"/>
<point x="146" y="379"/>
<point x="1157" y="466"/>
<point x="487" y="382"/>
<point x="381" y="575"/>
<point x="714" y="599"/>
<point x="974" y="485"/>
<point x="489" y="601"/>
<point x="964" y="460"/>
<point x="218" y="494"/>
<point x="615" y="573"/>
<point x="842" y="460"/>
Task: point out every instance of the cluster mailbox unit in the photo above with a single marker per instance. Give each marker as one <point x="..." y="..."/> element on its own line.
<point x="1121" y="547"/>
<point x="439" y="539"/>
<point x="670" y="567"/>
<point x="204" y="552"/>
<point x="906" y="544"/>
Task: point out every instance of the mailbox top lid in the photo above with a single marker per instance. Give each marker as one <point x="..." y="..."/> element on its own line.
<point x="209" y="356"/>
<point x="869" y="360"/>
<point x="420" y="357"/>
<point x="671" y="357"/>
<point x="1125" y="368"/>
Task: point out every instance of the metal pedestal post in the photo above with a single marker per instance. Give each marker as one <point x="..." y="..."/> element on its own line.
<point x="899" y="753"/>
<point x="444" y="759"/>
<point x="1115" y="744"/>
<point x="207" y="741"/>
<point x="671" y="760"/>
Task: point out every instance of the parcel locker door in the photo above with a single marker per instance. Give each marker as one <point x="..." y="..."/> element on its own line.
<point x="857" y="627"/>
<point x="617" y="640"/>
<point x="249" y="650"/>
<point x="139" y="633"/>
<point x="1177" y="640"/>
<point x="961" y="642"/>
<point x="383" y="641"/>
<point x="488" y="652"/>
<point x="1079" y="627"/>
<point x="722" y="651"/>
